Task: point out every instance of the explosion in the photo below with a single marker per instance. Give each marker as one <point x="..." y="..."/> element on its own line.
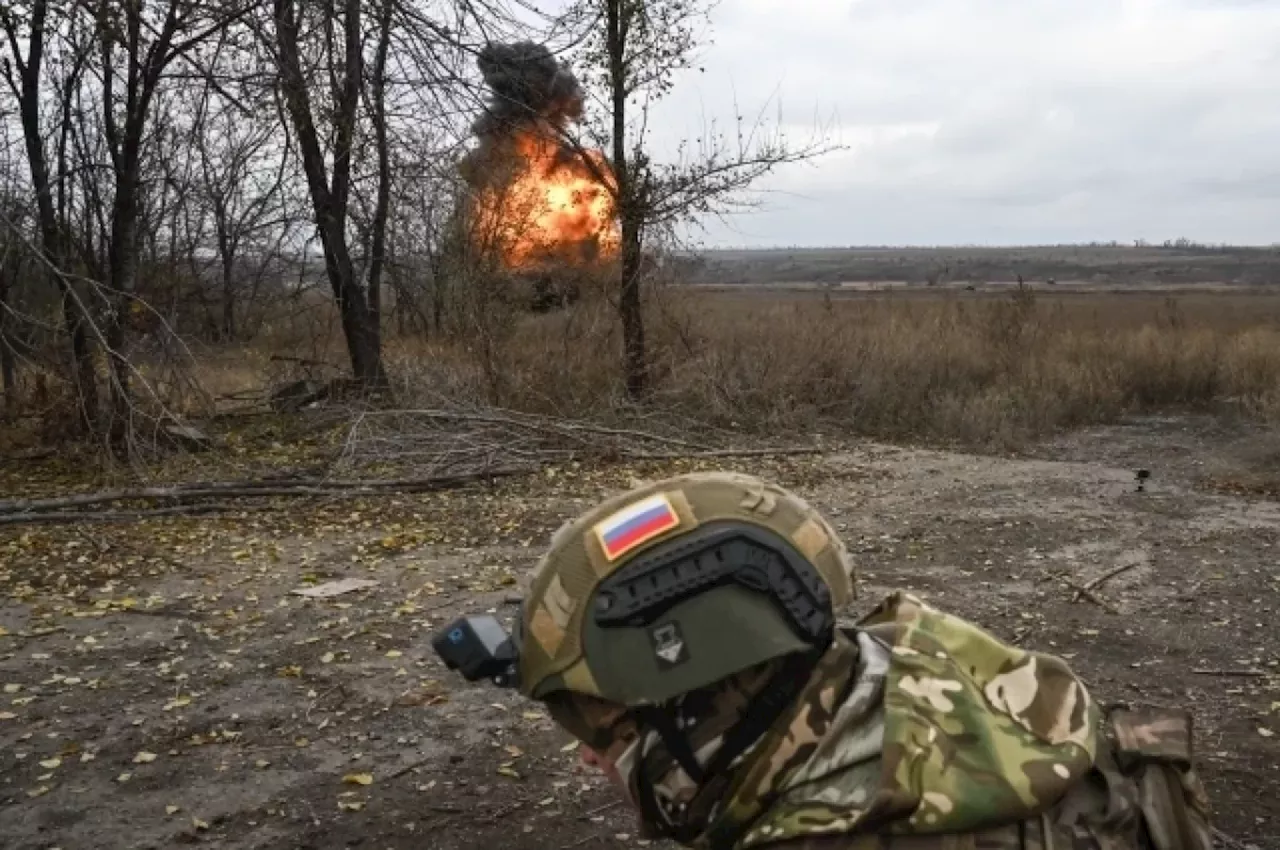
<point x="537" y="200"/>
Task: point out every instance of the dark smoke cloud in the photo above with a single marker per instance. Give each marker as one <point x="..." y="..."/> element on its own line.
<point x="528" y="84"/>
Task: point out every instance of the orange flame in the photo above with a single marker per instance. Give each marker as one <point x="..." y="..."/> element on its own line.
<point x="551" y="207"/>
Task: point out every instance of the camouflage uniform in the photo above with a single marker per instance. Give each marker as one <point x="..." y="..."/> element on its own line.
<point x="915" y="729"/>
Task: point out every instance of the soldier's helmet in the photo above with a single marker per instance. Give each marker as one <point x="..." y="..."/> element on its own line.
<point x="672" y="587"/>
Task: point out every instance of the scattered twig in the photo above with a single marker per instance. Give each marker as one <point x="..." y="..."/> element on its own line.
<point x="338" y="687"/>
<point x="1247" y="673"/>
<point x="535" y="423"/>
<point x="438" y="808"/>
<point x="1100" y="580"/>
<point x="1229" y="841"/>
<point x="599" y="809"/>
<point x="440" y="605"/>
<point x="595" y="836"/>
<point x="1083" y="591"/>
<point x="408" y="768"/>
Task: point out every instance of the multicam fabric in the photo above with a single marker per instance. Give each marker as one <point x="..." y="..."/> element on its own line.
<point x="921" y="723"/>
<point x="1142" y="794"/>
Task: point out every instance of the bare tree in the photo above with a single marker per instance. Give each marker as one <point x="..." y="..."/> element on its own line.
<point x="137" y="44"/>
<point x="633" y="51"/>
<point x="243" y="174"/>
<point x="329" y="182"/>
<point x="24" y="73"/>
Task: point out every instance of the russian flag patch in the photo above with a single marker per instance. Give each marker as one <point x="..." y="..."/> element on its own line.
<point x="636" y="524"/>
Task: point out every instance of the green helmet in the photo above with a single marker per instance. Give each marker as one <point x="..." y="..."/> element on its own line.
<point x="676" y="585"/>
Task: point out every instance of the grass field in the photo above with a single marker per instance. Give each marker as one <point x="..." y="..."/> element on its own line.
<point x="975" y="368"/>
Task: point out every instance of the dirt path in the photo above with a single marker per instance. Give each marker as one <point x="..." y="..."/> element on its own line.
<point x="161" y="685"/>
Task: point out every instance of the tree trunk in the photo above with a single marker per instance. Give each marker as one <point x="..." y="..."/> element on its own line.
<point x="630" y="212"/>
<point x="364" y="344"/>
<point x="74" y="314"/>
<point x="228" y="330"/>
<point x="635" y="360"/>
<point x="122" y="277"/>
<point x="382" y="206"/>
<point x="8" y="366"/>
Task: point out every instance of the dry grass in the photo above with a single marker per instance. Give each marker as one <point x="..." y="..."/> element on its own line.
<point x="989" y="370"/>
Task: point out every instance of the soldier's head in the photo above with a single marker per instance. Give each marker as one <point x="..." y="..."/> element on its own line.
<point x="667" y="628"/>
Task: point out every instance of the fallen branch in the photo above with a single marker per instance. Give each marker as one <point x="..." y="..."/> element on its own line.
<point x="254" y="489"/>
<point x="723" y="453"/>
<point x="1246" y="673"/>
<point x="535" y="423"/>
<point x="54" y="517"/>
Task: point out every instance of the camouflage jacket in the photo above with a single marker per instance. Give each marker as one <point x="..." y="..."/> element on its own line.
<point x="920" y="730"/>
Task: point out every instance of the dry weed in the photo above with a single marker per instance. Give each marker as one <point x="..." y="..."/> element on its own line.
<point x="978" y="370"/>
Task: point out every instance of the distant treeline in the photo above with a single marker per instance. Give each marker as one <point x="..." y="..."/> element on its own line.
<point x="1175" y="261"/>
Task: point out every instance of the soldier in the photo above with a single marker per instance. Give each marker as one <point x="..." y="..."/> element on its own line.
<point x="685" y="633"/>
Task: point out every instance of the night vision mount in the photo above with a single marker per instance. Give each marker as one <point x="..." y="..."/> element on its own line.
<point x="719" y="554"/>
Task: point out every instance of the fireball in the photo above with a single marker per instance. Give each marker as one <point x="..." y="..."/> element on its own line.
<point x="549" y="206"/>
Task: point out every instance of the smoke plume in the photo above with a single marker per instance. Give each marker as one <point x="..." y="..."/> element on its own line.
<point x="528" y="86"/>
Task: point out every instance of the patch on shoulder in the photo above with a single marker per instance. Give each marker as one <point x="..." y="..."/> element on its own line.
<point x="635" y="525"/>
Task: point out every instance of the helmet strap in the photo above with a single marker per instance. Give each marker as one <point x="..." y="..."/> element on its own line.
<point x="662" y="721"/>
<point x="777" y="695"/>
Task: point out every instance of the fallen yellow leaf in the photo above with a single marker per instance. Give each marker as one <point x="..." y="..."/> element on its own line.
<point x="144" y="757"/>
<point x="172" y="810"/>
<point x="394" y="653"/>
<point x="199" y="824"/>
<point x="50" y="764"/>
<point x="358" y="779"/>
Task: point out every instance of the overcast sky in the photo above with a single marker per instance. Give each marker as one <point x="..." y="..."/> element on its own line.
<point x="1005" y="121"/>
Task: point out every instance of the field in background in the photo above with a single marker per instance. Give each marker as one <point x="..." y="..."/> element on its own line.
<point x="990" y="368"/>
<point x="1108" y="265"/>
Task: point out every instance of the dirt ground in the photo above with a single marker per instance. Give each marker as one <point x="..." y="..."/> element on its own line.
<point x="162" y="686"/>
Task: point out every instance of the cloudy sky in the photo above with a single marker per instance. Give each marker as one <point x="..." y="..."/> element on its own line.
<point x="1004" y="121"/>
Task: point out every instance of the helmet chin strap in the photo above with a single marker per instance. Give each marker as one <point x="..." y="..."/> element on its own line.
<point x="777" y="695"/>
